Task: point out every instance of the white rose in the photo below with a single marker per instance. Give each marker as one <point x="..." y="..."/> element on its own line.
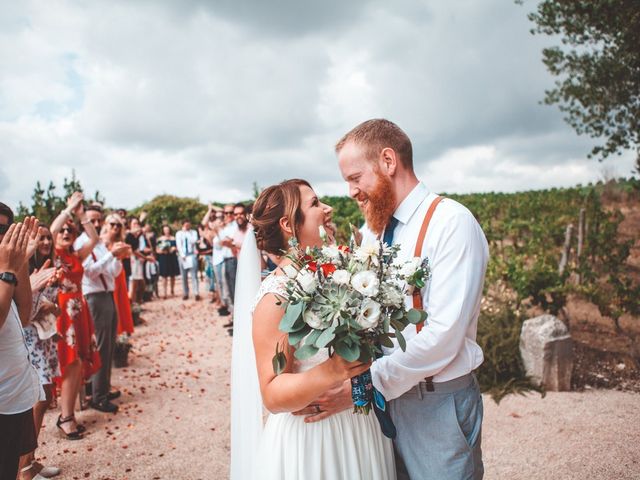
<point x="369" y="314"/>
<point x="290" y="271"/>
<point x="341" y="277"/>
<point x="366" y="283"/>
<point x="312" y="319"/>
<point x="307" y="281"/>
<point x="331" y="252"/>
<point x="367" y="252"/>
<point x="410" y="267"/>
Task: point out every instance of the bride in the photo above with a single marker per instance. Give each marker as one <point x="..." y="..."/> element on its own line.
<point x="284" y="447"/>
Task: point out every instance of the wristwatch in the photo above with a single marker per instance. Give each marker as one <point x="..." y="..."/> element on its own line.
<point x="9" y="278"/>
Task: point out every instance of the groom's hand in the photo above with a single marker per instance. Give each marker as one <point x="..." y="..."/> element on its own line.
<point x="333" y="401"/>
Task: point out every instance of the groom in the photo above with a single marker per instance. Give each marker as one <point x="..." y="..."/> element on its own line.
<point x="434" y="399"/>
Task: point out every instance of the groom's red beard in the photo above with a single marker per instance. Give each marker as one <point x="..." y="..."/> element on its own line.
<point x="379" y="204"/>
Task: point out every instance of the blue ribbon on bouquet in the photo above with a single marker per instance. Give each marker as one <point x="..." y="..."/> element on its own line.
<point x="364" y="394"/>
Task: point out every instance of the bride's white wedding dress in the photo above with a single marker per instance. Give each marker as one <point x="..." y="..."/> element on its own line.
<point x="344" y="446"/>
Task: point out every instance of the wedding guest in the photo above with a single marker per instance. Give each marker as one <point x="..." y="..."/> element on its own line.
<point x="101" y="267"/>
<point x="112" y="235"/>
<point x="217" y="261"/>
<point x="205" y="251"/>
<point x="151" y="263"/>
<point x="221" y="243"/>
<point x="168" y="259"/>
<point x="77" y="345"/>
<point x="186" y="240"/>
<point x="40" y="338"/>
<point x="20" y="389"/>
<point x="135" y="239"/>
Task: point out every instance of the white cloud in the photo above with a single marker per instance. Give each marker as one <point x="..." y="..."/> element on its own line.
<point x="201" y="98"/>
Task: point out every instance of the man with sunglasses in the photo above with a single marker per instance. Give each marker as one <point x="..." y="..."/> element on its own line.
<point x="98" y="283"/>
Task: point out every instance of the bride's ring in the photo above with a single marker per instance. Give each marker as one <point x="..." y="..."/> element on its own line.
<point x="317" y="408"/>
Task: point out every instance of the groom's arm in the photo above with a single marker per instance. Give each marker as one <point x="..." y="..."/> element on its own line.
<point x="452" y="299"/>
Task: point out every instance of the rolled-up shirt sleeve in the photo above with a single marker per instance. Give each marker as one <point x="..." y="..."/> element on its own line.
<point x="105" y="265"/>
<point x="458" y="256"/>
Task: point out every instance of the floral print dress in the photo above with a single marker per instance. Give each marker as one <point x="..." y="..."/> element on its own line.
<point x="75" y="326"/>
<point x="43" y="352"/>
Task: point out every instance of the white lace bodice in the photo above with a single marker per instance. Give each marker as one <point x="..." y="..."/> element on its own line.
<point x="276" y="284"/>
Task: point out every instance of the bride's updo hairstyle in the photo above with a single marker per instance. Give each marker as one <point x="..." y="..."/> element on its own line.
<point x="275" y="202"/>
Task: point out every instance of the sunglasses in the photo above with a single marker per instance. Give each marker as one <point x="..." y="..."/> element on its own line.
<point x="240" y="214"/>
<point x="4" y="229"/>
<point x="115" y="225"/>
<point x="67" y="230"/>
<point x="228" y="213"/>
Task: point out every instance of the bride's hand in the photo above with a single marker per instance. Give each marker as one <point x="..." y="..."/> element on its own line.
<point x="344" y="370"/>
<point x="329" y="403"/>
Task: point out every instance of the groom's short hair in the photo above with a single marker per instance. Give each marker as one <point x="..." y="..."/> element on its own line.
<point x="379" y="133"/>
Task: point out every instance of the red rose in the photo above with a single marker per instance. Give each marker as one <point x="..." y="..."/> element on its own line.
<point x="328" y="269"/>
<point x="344" y="248"/>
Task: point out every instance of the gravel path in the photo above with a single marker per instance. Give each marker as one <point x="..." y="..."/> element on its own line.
<point x="173" y="421"/>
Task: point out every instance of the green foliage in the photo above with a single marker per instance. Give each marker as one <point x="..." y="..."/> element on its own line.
<point x="47" y="204"/>
<point x="502" y="371"/>
<point x="345" y="212"/>
<point x="171" y="210"/>
<point x="597" y="68"/>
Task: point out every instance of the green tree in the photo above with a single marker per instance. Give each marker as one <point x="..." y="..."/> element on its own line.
<point x="171" y="210"/>
<point x="597" y="68"/>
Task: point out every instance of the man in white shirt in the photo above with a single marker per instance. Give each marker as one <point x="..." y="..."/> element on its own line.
<point x="434" y="399"/>
<point x="186" y="240"/>
<point x="98" y="283"/>
<point x="223" y="242"/>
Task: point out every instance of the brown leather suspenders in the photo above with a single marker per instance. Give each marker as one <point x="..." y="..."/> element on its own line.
<point x="417" y="295"/>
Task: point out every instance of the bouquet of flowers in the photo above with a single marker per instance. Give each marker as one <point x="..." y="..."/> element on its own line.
<point x="346" y="299"/>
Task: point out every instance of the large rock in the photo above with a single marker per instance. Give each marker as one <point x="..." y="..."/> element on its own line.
<point x="546" y="350"/>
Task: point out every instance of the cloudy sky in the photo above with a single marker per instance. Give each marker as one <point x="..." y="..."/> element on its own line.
<point x="202" y="98"/>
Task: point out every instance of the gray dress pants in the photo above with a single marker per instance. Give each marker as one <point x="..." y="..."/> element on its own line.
<point x="105" y="321"/>
<point x="439" y="432"/>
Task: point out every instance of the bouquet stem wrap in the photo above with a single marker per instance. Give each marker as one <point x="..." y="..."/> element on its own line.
<point x="365" y="396"/>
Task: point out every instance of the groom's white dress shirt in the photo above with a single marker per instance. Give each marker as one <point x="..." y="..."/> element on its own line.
<point x="458" y="253"/>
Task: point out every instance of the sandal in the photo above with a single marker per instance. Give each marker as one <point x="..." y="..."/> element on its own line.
<point x="75" y="435"/>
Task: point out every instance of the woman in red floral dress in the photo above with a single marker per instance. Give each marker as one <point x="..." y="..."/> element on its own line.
<point x="77" y="346"/>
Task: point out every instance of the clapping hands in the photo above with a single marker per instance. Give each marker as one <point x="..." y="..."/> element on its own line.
<point x="18" y="245"/>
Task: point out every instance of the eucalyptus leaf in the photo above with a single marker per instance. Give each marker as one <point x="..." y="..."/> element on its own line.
<point x="385" y="340"/>
<point x="326" y="337"/>
<point x="279" y="362"/>
<point x="291" y="315"/>
<point x="295" y="337"/>
<point x="416" y="316"/>
<point x="349" y="352"/>
<point x="305" y="352"/>
<point x="401" y="341"/>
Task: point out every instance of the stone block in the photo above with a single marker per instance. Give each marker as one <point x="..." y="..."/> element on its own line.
<point x="547" y="354"/>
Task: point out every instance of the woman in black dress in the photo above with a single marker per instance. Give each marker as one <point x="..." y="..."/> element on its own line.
<point x="168" y="259"/>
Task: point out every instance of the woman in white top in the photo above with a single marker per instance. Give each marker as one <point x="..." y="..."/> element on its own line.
<point x="19" y="385"/>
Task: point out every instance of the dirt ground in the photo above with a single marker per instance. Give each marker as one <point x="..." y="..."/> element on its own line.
<point x="173" y="421"/>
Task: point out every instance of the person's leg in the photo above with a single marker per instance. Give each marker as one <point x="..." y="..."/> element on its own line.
<point x="439" y="433"/>
<point x="114" y="333"/>
<point x="231" y="266"/>
<point x="185" y="281"/>
<point x="194" y="279"/>
<point x="71" y="379"/>
<point x="172" y="282"/>
<point x="103" y="312"/>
